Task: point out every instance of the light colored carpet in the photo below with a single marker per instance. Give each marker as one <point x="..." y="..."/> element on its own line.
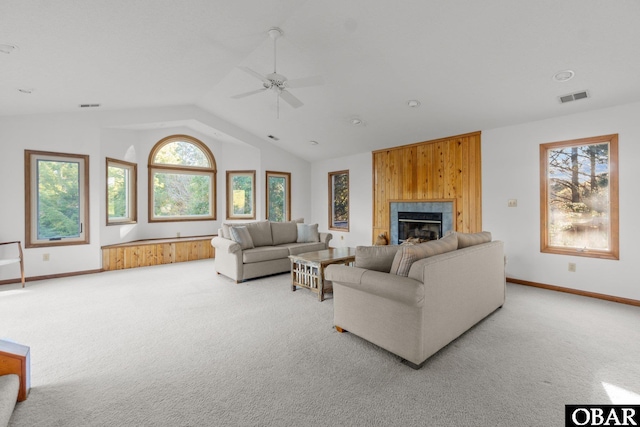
<point x="177" y="345"/>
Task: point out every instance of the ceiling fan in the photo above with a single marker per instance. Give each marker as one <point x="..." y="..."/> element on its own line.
<point x="277" y="82"/>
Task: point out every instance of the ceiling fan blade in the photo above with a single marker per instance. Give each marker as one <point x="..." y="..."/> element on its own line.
<point x="256" y="75"/>
<point x="306" y="82"/>
<point x="253" y="92"/>
<point x="290" y="99"/>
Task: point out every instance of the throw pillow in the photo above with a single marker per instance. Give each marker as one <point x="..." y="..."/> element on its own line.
<point x="470" y="239"/>
<point x="378" y="258"/>
<point x="240" y="234"/>
<point x="307" y="233"/>
<point x="407" y="255"/>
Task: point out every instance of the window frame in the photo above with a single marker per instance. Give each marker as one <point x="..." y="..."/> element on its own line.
<point x="31" y="158"/>
<point x="614" y="239"/>
<point x="132" y="185"/>
<point x="229" y="203"/>
<point x="181" y="169"/>
<point x="331" y="176"/>
<point x="287" y="177"/>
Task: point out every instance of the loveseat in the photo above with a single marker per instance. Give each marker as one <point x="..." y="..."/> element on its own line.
<point x="414" y="300"/>
<point x="9" y="387"/>
<point x="255" y="249"/>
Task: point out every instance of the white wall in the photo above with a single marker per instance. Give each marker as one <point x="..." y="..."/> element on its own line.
<point x="511" y="170"/>
<point x="112" y="134"/>
<point x="360" y="198"/>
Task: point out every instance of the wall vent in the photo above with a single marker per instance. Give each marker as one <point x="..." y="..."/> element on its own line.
<point x="573" y="96"/>
<point x="89" y="105"/>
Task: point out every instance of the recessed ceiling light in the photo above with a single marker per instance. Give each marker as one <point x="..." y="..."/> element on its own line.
<point x="563" y="76"/>
<point x="7" y="48"/>
<point x="356" y="121"/>
<point x="25" y="90"/>
<point x="413" y="103"/>
<point x="313" y="142"/>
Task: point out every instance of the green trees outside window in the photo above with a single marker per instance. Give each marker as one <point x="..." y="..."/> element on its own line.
<point x="121" y="192"/>
<point x="182" y="175"/>
<point x="241" y="198"/>
<point x="339" y="200"/>
<point x="278" y="196"/>
<point x="57" y="199"/>
<point x="579" y="197"/>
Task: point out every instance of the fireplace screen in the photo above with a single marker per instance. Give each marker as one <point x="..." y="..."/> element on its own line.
<point x="419" y="226"/>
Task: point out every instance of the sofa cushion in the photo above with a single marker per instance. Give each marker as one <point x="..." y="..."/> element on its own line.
<point x="408" y="254"/>
<point x="307" y="233"/>
<point x="283" y="232"/>
<point x="470" y="239"/>
<point x="378" y="258"/>
<point x="240" y="234"/>
<point x="265" y="253"/>
<point x="260" y="233"/>
<point x="300" y="248"/>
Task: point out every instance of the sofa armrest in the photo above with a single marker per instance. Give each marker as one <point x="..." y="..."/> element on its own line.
<point x="225" y="245"/>
<point x="326" y="238"/>
<point x="398" y="288"/>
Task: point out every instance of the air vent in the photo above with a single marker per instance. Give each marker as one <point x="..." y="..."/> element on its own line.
<point x="275" y="138"/>
<point x="574" y="96"/>
<point x="89" y="105"/>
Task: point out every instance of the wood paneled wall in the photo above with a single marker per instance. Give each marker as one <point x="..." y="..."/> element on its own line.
<point x="443" y="169"/>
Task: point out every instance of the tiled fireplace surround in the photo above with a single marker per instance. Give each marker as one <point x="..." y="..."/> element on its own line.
<point x="406" y="206"/>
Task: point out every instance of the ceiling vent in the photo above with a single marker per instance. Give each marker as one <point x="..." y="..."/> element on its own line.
<point x="275" y="138"/>
<point x="89" y="105"/>
<point x="574" y="96"/>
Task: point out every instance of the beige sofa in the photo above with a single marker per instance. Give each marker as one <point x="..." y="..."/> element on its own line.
<point x="262" y="248"/>
<point x="9" y="387"/>
<point x="459" y="282"/>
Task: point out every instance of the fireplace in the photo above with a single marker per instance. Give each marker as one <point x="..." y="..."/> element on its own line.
<point x="444" y="208"/>
<point x="419" y="226"/>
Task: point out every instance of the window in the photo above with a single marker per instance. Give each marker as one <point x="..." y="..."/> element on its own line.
<point x="339" y="200"/>
<point x="241" y="197"/>
<point x="121" y="192"/>
<point x="579" y="197"/>
<point x="278" y="196"/>
<point x="57" y="199"/>
<point x="182" y="180"/>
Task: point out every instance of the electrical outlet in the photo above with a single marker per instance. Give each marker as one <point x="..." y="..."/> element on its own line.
<point x="341" y="237"/>
<point x="45" y="257"/>
<point x="572" y="267"/>
<point x="512" y="203"/>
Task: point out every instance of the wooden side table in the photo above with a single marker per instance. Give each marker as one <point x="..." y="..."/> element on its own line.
<point x="307" y="269"/>
<point x="15" y="359"/>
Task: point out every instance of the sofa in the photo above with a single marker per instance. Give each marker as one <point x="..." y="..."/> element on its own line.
<point x="248" y="250"/>
<point x="9" y="387"/>
<point x="414" y="300"/>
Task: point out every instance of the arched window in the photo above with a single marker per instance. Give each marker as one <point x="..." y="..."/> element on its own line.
<point x="182" y="180"/>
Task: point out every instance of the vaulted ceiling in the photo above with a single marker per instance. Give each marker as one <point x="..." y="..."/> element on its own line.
<point x="473" y="65"/>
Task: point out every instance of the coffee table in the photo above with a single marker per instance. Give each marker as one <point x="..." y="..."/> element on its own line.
<point x="307" y="269"/>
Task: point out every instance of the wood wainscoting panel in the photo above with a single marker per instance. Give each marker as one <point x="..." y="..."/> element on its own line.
<point x="447" y="168"/>
<point x="144" y="253"/>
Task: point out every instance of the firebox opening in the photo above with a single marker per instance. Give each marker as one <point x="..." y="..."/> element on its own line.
<point x="419" y="227"/>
